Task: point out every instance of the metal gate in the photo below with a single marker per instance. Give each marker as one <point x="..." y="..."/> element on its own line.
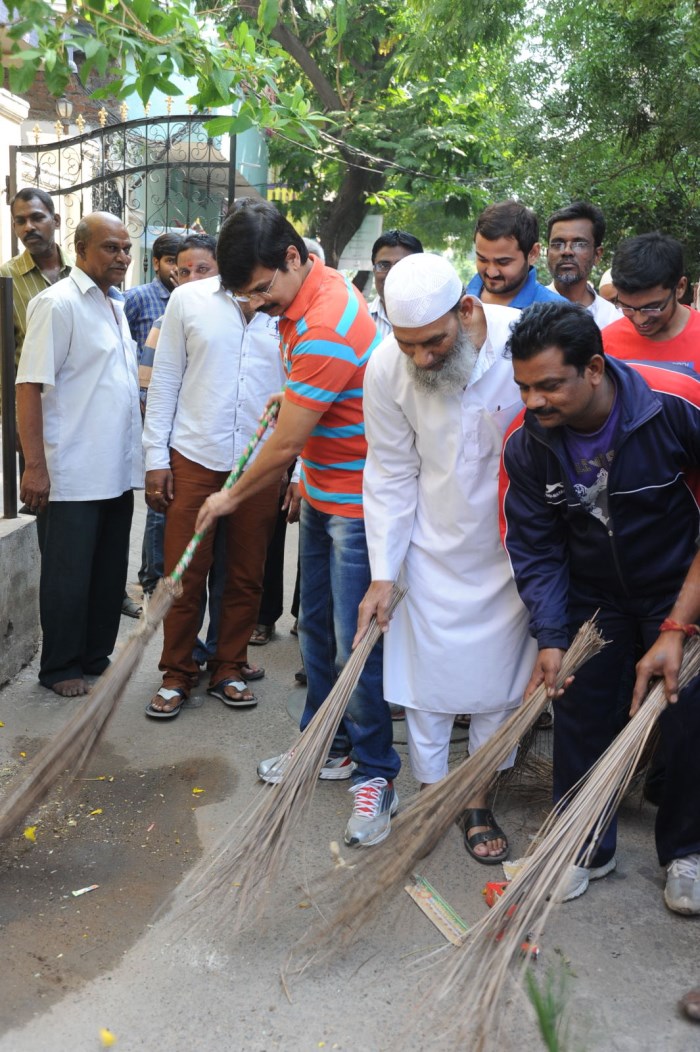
<point x="156" y="174"/>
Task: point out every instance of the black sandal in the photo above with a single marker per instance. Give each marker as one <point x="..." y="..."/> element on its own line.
<point x="482" y="816"/>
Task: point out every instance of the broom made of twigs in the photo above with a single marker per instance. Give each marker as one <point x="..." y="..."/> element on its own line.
<point x="68" y="752"/>
<point x="482" y="965"/>
<point x="248" y="859"/>
<point x="431" y="812"/>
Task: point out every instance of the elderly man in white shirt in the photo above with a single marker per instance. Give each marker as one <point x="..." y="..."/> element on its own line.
<point x="79" y="422"/>
<point x="438" y="397"/>
<point x="213" y="373"/>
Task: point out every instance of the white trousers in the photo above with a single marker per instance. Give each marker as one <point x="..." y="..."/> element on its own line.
<point x="428" y="735"/>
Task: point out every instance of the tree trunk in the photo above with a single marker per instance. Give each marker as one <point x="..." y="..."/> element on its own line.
<point x="345" y="213"/>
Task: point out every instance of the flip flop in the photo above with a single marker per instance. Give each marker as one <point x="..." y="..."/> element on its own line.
<point x="482" y="816"/>
<point x="251" y="672"/>
<point x="261" y="635"/>
<point x="218" y="690"/>
<point x="167" y="694"/>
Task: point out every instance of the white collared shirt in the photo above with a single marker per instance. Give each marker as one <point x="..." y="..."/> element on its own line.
<point x="602" y="311"/>
<point x="78" y="346"/>
<point x="212" y="376"/>
<point x="379" y="317"/>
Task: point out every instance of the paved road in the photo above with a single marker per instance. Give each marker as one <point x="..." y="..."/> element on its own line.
<point x="134" y="826"/>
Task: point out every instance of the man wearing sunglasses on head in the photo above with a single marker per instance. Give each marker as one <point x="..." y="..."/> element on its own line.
<point x="647" y="272"/>
<point x="387" y="250"/>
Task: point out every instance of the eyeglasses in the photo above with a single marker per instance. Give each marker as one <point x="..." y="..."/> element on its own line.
<point x="649" y="312"/>
<point x="382" y="267"/>
<point x="259" y="294"/>
<point x="578" y="244"/>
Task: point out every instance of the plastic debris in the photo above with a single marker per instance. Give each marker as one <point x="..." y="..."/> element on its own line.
<point x="84" y="891"/>
<point x="437" y="910"/>
<point x="30" y="833"/>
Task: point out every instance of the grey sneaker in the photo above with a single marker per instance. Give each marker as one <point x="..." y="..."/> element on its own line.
<point x="375" y="802"/>
<point x="682" y="891"/>
<point x="334" y="769"/>
<point x="579" y="877"/>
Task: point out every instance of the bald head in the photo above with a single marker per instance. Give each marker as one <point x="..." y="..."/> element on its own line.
<point x="103" y="249"/>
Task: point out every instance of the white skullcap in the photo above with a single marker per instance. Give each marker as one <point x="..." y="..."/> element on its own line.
<point x="419" y="289"/>
<point x="606" y="279"/>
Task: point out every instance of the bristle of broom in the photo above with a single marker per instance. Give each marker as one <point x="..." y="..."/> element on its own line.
<point x="431" y="813"/>
<point x="483" y="965"/>
<point x="250" y="861"/>
<point x="67" y="753"/>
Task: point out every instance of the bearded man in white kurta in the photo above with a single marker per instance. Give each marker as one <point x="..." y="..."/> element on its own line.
<point x="438" y="397"/>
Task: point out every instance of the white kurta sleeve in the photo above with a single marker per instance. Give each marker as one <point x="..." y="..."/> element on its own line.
<point x="390" y="480"/>
<point x="169" y="364"/>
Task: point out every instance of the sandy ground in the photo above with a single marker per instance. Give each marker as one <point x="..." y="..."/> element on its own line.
<point x="134" y="825"/>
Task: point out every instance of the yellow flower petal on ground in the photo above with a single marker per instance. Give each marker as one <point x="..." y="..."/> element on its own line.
<point x="30" y="833"/>
<point x="196" y="791"/>
<point x="107" y="1038"/>
<point x="97" y="811"/>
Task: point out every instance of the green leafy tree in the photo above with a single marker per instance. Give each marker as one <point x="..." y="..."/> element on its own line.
<point x="603" y="104"/>
<point x="363" y="104"/>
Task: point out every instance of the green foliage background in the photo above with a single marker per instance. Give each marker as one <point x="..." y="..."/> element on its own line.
<point x="425" y="110"/>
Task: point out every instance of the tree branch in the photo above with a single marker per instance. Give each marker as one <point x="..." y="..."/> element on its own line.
<point x="296" y="50"/>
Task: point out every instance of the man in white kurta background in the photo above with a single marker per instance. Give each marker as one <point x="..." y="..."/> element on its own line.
<point x="438" y="397"/>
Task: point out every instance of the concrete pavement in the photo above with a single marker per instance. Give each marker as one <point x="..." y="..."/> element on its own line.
<point x="134" y="825"/>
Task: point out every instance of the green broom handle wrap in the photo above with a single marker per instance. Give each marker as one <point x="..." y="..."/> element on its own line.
<point x="263" y="424"/>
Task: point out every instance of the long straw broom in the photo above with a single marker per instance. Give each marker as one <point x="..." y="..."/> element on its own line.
<point x="68" y="752"/>
<point x="569" y="835"/>
<point x="431" y="812"/>
<point x="250" y="862"/>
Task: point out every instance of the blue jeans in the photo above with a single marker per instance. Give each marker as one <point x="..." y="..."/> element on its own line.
<point x="335" y="575"/>
<point x="152" y="551"/>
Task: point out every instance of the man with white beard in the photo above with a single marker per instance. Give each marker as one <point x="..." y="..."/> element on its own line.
<point x="438" y="396"/>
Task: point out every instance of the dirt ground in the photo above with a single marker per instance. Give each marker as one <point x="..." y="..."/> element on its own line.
<point x="130" y="833"/>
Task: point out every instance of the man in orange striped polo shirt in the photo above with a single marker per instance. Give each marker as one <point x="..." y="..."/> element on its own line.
<point x="327" y="336"/>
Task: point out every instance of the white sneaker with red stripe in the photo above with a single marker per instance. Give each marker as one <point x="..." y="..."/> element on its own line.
<point x="375" y="802"/>
<point x="334" y="769"/>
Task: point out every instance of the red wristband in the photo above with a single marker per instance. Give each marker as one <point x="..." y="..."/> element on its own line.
<point x="675" y="626"/>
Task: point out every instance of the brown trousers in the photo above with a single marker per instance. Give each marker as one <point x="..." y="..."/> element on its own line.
<point x="248" y="533"/>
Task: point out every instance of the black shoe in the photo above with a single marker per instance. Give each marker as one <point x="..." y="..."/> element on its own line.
<point x="300" y="676"/>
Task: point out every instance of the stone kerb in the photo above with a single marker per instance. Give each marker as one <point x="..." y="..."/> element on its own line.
<point x="19" y="594"/>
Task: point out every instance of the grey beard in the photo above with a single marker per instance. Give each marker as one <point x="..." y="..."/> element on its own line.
<point x="569" y="277"/>
<point x="454" y="375"/>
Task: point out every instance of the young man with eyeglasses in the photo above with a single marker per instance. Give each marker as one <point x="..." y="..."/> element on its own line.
<point x="387" y="250"/>
<point x="647" y="272"/>
<point x="327" y="337"/>
<point x="575" y="245"/>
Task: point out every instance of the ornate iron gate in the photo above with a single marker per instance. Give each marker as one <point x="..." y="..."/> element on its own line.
<point x="156" y="174"/>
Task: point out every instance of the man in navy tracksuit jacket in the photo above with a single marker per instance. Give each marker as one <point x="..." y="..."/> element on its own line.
<point x="599" y="514"/>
